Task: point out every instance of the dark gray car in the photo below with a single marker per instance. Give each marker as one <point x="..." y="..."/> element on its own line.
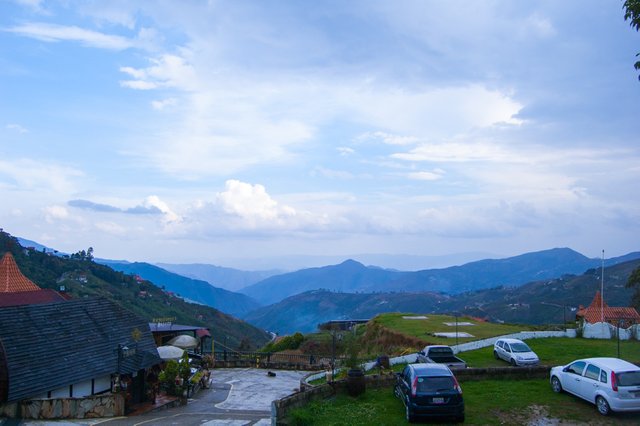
<point x="429" y="390"/>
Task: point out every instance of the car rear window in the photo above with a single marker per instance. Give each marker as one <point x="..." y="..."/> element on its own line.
<point x="629" y="378"/>
<point x="433" y="384"/>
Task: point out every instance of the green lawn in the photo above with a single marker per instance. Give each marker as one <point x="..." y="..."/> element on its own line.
<point x="424" y="328"/>
<point x="491" y="402"/>
<point x="559" y="351"/>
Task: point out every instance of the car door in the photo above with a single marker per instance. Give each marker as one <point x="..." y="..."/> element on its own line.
<point x="590" y="382"/>
<point x="573" y="377"/>
<point x="506" y="352"/>
<point x="500" y="349"/>
<point x="403" y="383"/>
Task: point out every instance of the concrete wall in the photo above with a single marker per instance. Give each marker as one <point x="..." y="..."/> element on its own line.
<point x="603" y="330"/>
<point x="106" y="405"/>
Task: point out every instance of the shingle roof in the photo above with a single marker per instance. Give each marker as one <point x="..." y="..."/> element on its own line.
<point x="46" y="295"/>
<point x="11" y="279"/>
<point x="49" y="346"/>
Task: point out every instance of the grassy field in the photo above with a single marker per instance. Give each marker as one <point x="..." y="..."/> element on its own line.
<point x="492" y="402"/>
<point x="424" y="328"/>
<point x="559" y="351"/>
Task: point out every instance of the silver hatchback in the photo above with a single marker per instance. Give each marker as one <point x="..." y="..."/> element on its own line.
<point x="515" y="352"/>
<point x="612" y="384"/>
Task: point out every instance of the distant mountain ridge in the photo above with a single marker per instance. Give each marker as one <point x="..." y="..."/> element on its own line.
<point x="352" y="276"/>
<point x="538" y="302"/>
<point x="235" y="304"/>
<point x="349" y="276"/>
<point x="218" y="276"/>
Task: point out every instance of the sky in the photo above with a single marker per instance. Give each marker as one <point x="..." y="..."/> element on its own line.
<point x="225" y="132"/>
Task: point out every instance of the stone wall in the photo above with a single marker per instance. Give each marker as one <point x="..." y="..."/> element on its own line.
<point x="105" y="405"/>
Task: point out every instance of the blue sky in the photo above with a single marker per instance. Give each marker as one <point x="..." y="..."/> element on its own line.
<point x="199" y="131"/>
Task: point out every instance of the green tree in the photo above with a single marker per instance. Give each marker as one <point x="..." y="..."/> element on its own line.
<point x="632" y="14"/>
<point x="634" y="282"/>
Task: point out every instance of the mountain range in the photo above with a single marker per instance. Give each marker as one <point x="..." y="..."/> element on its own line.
<point x="548" y="301"/>
<point x="527" y="288"/>
<point x="351" y="276"/>
<point x="198" y="291"/>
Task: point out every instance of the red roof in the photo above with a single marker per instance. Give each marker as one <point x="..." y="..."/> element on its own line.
<point x="598" y="309"/>
<point x="11" y="279"/>
<point x="36" y="297"/>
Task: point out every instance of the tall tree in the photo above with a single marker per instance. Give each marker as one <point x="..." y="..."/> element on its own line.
<point x="632" y="13"/>
<point x="634" y="282"/>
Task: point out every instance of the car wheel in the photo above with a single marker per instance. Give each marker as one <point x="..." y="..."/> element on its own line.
<point x="513" y="362"/>
<point x="495" y="354"/>
<point x="556" y="385"/>
<point x="603" y="406"/>
<point x="460" y="419"/>
<point x="408" y="413"/>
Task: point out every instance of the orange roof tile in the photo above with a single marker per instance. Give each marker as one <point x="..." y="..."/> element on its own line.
<point x="598" y="309"/>
<point x="11" y="279"/>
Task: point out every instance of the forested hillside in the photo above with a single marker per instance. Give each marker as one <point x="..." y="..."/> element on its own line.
<point x="82" y="277"/>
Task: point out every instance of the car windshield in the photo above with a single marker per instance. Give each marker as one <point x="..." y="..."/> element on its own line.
<point x="520" y="347"/>
<point x="628" y="378"/>
<point x="433" y="384"/>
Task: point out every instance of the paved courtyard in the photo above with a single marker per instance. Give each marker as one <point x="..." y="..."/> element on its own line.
<point x="238" y="397"/>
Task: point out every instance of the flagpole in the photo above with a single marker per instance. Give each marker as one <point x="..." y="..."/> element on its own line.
<point x="602" y="290"/>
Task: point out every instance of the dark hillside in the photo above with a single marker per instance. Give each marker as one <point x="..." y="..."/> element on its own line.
<point x="82" y="277"/>
<point x="303" y="312"/>
<point x="196" y="290"/>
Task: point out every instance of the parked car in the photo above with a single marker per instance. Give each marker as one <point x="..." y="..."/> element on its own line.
<point x="440" y="354"/>
<point x="612" y="384"/>
<point x="429" y="390"/>
<point x="515" y="352"/>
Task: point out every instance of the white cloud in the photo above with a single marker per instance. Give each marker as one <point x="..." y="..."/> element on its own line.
<point x="155" y="201"/>
<point x="252" y="202"/>
<point x="30" y="175"/>
<point x="165" y="71"/>
<point x="54" y="213"/>
<point x="54" y="33"/>
<point x="163" y="103"/>
<point x="425" y="175"/>
<point x="111" y="228"/>
<point x="17" y="128"/>
<point x="332" y="174"/>
<point x="345" y="151"/>
<point x="388" y="138"/>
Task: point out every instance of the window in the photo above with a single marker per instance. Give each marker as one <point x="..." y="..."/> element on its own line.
<point x="500" y="344"/>
<point x="603" y="376"/>
<point x="435" y="384"/>
<point x="577" y="368"/>
<point x="629" y="378"/>
<point x="592" y="372"/>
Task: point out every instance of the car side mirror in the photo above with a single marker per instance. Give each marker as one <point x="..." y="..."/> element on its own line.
<point x="421" y="352"/>
<point x="564" y="370"/>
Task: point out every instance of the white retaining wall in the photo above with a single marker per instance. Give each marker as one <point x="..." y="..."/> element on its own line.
<point x="603" y="330"/>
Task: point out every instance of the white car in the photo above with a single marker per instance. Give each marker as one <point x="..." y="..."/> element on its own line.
<point x="612" y="384"/>
<point x="515" y="352"/>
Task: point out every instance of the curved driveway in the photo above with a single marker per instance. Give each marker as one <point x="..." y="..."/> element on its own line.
<point x="238" y="396"/>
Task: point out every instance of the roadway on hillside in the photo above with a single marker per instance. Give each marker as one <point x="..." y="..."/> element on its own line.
<point x="238" y="397"/>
